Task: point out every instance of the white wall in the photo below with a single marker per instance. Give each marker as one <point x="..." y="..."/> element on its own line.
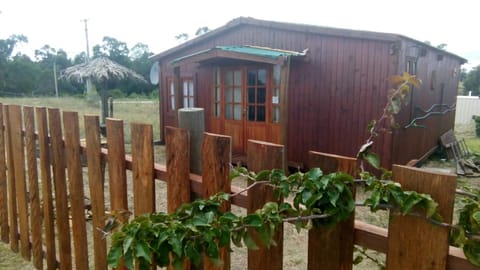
<point x="467" y="106"/>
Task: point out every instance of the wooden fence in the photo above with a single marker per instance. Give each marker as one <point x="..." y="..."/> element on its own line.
<point x="43" y="190"/>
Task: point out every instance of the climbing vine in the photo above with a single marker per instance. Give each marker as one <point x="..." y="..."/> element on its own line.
<point x="201" y="228"/>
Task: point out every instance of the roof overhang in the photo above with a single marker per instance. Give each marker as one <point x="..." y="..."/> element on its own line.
<point x="241" y="53"/>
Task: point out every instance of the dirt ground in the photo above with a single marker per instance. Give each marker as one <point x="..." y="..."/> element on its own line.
<point x="295" y="247"/>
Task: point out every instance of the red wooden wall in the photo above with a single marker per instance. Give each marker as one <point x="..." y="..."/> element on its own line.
<point x="335" y="91"/>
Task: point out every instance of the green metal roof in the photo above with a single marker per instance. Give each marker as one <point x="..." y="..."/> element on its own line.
<point x="260" y="51"/>
<point x="264" y="52"/>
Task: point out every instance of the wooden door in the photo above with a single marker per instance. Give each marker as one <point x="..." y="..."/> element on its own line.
<point x="234" y="108"/>
<point x="246" y="106"/>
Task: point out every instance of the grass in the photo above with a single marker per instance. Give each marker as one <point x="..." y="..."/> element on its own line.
<point x="139" y="111"/>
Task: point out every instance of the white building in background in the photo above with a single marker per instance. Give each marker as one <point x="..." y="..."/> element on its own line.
<point x="467" y="106"/>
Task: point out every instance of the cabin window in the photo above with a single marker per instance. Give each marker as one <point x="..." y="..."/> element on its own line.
<point x="188" y="93"/>
<point x="171" y="95"/>
<point x="276" y="94"/>
<point x="411" y="66"/>
<point x="216" y="92"/>
<point x="233" y="94"/>
<point x="256" y="94"/>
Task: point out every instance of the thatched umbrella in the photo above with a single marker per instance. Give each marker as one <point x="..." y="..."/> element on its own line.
<point x="100" y="70"/>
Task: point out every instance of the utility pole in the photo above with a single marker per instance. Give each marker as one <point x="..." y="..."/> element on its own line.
<point x="55" y="75"/>
<point x="87" y="59"/>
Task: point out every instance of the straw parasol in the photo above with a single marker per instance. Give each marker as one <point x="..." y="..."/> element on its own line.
<point x="100" y="69"/>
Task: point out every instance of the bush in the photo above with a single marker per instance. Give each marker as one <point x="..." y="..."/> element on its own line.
<point x="116" y="93"/>
<point x="476" y="118"/>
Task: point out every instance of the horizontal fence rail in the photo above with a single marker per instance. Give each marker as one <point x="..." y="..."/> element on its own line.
<point x="57" y="191"/>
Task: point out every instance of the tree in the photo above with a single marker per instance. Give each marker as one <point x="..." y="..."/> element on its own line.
<point x="114" y="49"/>
<point x="472" y="81"/>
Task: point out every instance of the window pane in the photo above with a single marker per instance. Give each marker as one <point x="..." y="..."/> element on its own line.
<point x="172" y="88"/>
<point x="251" y="95"/>
<point x="262" y="77"/>
<point x="261" y="95"/>
<point x="237" y="113"/>
<point x="185" y="102"/>
<point x="217" y="76"/>
<point x="276" y="114"/>
<point x="228" y="78"/>
<point x="172" y="102"/>
<point x="228" y="111"/>
<point x="190" y="89"/>
<point x="190" y="102"/>
<point x="251" y="113"/>
<point x="217" y="94"/>
<point x="228" y="95"/>
<point x="238" y="95"/>
<point x="261" y="113"/>
<point x="216" y="110"/>
<point x="238" y="77"/>
<point x="185" y="88"/>
<point x="251" y="77"/>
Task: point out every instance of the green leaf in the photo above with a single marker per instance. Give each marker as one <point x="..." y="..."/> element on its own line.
<point x="431" y="208"/>
<point x="114" y="256"/>
<point x="412" y="200"/>
<point x="357" y="260"/>
<point x="263" y="175"/>
<point x="472" y="252"/>
<point x="142" y="251"/>
<point x="212" y="250"/>
<point x="193" y="254"/>
<point x="248" y="240"/>
<point x="314" y="173"/>
<point x="253" y="220"/>
<point x="127" y="242"/>
<point x="298" y="225"/>
<point x="372" y="159"/>
<point x="306" y="195"/>
<point x="333" y="195"/>
<point x="476" y="217"/>
<point x="176" y="246"/>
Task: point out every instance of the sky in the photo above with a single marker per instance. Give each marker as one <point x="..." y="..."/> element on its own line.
<point x="59" y="23"/>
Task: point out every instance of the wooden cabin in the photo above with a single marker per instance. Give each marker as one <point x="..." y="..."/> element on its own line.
<point x="309" y="87"/>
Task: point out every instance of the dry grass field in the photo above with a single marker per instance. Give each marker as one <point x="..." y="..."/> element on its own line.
<point x="147" y="112"/>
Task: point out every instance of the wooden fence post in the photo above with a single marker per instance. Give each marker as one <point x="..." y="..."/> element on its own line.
<point x="47" y="197"/>
<point x="177" y="153"/>
<point x="36" y="214"/>
<point x="75" y="181"/>
<point x="117" y="171"/>
<point x="96" y="180"/>
<point x="12" y="201"/>
<point x="413" y="242"/>
<point x="332" y="248"/>
<point x="216" y="162"/>
<point x="3" y="182"/>
<point x="18" y="169"/>
<point x="264" y="156"/>
<point x="142" y="168"/>
<point x="60" y="184"/>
